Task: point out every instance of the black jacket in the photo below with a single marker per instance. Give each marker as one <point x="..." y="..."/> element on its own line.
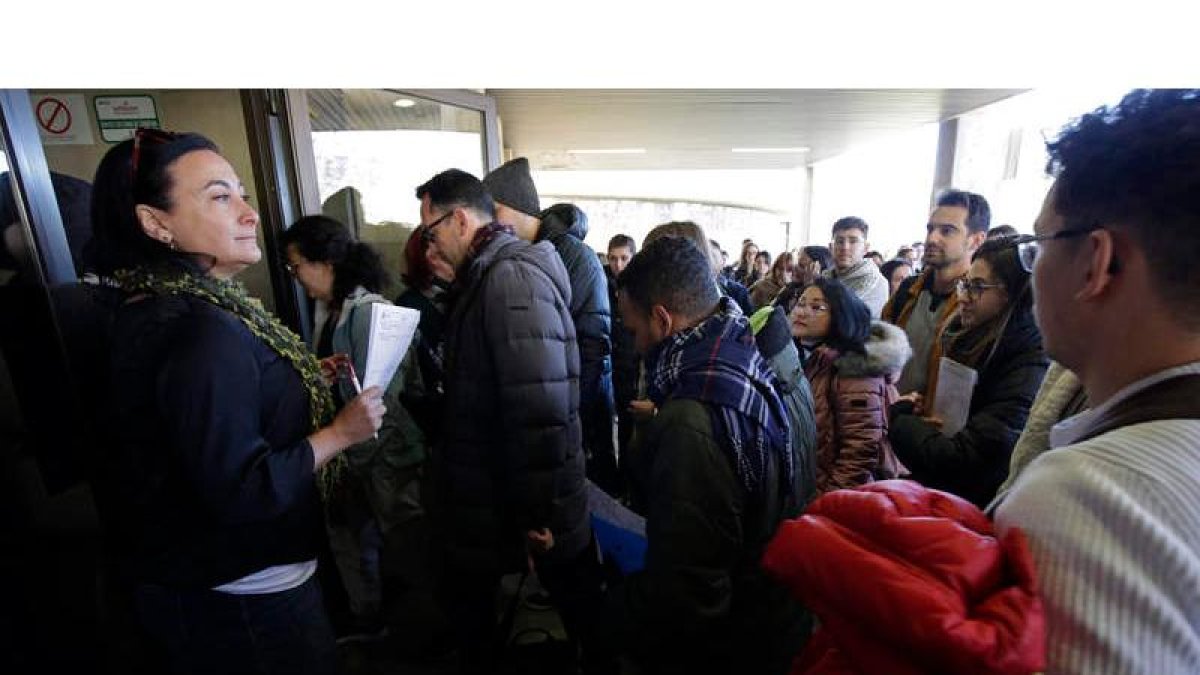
<point x="565" y="226"/>
<point x="702" y="603"/>
<point x="511" y="458"/>
<point x="738" y="292"/>
<point x="212" y="447"/>
<point x="974" y="462"/>
<point x="427" y="407"/>
<point x="626" y="361"/>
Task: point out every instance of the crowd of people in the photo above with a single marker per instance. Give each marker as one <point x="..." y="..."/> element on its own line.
<point x="805" y="486"/>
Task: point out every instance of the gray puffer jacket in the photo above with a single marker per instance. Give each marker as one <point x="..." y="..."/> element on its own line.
<point x="511" y="458"/>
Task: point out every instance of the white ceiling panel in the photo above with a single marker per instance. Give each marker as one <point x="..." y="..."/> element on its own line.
<point x="697" y="129"/>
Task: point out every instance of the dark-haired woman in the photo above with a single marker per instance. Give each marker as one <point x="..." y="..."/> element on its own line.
<point x="221" y="416"/>
<point x="896" y="271"/>
<point x="428" y="279"/>
<point x="995" y="334"/>
<point x="852" y="365"/>
<point x="381" y="491"/>
<point x="811" y="262"/>
<point x="769" y="286"/>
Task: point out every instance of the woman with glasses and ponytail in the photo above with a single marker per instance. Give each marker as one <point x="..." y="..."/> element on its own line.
<point x="224" y="430"/>
<point x="378" y="500"/>
<point x="852" y="364"/>
<point x="994" y="334"/>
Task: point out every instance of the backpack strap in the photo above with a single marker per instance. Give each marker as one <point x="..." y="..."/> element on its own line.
<point x="1175" y="398"/>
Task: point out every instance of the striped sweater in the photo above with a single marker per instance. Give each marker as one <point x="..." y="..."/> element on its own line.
<point x="1114" y="527"/>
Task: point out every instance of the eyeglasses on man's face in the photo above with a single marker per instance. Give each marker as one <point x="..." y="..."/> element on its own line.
<point x="1029" y="245"/>
<point x="427" y="230"/>
<point x="973" y="288"/>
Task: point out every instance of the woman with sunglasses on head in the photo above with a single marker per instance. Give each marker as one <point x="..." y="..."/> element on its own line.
<point x="995" y="334"/>
<point x="852" y="364"/>
<point x="378" y="499"/>
<point x="224" y="427"/>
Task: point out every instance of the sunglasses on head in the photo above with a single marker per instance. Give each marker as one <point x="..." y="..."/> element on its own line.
<point x="147" y="135"/>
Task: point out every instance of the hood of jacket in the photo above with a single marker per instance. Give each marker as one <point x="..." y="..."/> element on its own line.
<point x="505" y="246"/>
<point x="864" y="269"/>
<point x="887" y="352"/>
<point x="563" y="219"/>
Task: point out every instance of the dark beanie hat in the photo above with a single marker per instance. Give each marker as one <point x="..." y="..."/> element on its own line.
<point x="512" y="186"/>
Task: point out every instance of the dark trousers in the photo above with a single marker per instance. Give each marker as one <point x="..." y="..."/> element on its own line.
<point x="207" y="631"/>
<point x="575" y="587"/>
<point x="596" y="416"/>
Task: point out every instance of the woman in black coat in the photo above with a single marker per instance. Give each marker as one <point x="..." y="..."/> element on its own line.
<point x="221" y="420"/>
<point x="994" y="334"/>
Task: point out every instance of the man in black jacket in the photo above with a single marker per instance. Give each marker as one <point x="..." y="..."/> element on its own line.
<point x="626" y="362"/>
<point x="565" y="226"/>
<point x="510" y="472"/>
<point x="712" y="471"/>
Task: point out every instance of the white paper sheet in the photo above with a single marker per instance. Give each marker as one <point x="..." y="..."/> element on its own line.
<point x="392" y="330"/>
<point x="952" y="405"/>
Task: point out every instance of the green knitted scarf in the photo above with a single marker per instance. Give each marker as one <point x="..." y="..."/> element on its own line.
<point x="231" y="296"/>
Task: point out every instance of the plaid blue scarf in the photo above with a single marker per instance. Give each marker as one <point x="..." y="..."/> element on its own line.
<point x="717" y="363"/>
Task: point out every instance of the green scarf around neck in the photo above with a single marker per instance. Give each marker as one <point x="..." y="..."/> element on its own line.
<point x="231" y="296"/>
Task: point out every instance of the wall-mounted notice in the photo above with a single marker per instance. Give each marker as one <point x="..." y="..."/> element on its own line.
<point x="62" y="119"/>
<point x="118" y="116"/>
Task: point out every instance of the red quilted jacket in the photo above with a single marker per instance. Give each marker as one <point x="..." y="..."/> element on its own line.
<point x="904" y="580"/>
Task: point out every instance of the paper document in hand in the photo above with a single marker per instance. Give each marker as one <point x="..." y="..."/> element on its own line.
<point x="952" y="404"/>
<point x="392" y="330"/>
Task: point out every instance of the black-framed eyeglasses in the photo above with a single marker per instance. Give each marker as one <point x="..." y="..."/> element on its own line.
<point x="142" y="136"/>
<point x="427" y="230"/>
<point x="1028" y="245"/>
<point x="973" y="288"/>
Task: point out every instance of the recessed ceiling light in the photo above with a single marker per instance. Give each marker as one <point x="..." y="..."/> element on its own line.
<point x="610" y="151"/>
<point x="404" y="103"/>
<point x="770" y="150"/>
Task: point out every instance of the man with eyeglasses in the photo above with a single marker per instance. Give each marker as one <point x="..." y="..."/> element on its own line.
<point x="1112" y="510"/>
<point x="924" y="305"/>
<point x="851" y="266"/>
<point x="509" y="474"/>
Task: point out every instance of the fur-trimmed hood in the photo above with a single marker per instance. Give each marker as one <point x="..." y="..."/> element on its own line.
<point x="887" y="352"/>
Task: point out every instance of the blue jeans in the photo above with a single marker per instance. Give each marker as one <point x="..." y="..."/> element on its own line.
<point x="207" y="631"/>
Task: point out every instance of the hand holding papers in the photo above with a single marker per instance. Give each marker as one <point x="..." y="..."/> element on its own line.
<point x="392" y="330"/>
<point x="952" y="404"/>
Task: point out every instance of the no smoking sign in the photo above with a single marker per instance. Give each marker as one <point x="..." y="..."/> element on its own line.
<point x="62" y="119"/>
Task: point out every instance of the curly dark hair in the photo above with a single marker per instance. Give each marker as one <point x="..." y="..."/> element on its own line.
<point x="355" y="263"/>
<point x="671" y="271"/>
<point x="1136" y="166"/>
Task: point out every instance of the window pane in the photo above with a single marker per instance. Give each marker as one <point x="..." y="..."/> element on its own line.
<point x="373" y="147"/>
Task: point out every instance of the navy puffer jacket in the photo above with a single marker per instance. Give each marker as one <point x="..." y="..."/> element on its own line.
<point x="566" y="226"/>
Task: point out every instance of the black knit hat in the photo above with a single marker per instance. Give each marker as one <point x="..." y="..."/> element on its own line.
<point x="512" y="186"/>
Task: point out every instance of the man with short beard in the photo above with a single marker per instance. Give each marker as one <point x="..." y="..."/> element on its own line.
<point x="924" y="305"/>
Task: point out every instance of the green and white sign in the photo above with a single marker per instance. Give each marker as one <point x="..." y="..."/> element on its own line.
<point x="118" y="116"/>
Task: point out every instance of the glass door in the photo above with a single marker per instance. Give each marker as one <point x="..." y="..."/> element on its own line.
<point x="371" y="148"/>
